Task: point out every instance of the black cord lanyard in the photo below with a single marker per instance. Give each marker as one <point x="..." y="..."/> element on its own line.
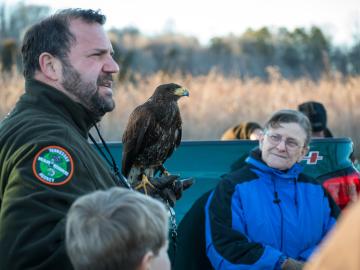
<point x="277" y="201"/>
<point x="111" y="163"/>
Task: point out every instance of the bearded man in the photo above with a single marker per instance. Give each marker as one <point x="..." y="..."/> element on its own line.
<point x="45" y="159"/>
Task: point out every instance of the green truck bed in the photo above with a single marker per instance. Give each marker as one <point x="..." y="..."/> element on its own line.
<point x="206" y="161"/>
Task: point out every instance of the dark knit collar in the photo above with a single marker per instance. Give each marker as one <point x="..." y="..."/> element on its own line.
<point x="45" y="97"/>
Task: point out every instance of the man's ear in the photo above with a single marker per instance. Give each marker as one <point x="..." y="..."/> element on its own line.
<point x="146" y="261"/>
<point x="50" y="66"/>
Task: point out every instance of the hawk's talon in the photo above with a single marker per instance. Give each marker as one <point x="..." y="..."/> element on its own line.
<point x="144" y="183"/>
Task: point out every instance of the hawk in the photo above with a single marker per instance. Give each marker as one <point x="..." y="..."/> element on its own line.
<point x="152" y="134"/>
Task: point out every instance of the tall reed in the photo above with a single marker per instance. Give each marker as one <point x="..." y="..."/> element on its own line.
<point x="216" y="102"/>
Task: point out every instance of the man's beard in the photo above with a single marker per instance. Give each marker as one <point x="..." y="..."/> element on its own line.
<point x="87" y="93"/>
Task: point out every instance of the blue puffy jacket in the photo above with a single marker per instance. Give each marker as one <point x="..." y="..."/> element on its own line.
<point x="258" y="214"/>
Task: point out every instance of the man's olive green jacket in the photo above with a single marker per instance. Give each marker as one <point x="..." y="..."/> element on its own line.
<point x="46" y="163"/>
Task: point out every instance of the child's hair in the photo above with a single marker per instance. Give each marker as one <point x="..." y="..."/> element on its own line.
<point x="114" y="229"/>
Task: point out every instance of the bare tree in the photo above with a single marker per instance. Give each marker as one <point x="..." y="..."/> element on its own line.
<point x="15" y="18"/>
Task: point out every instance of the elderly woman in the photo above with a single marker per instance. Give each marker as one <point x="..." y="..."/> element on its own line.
<point x="268" y="215"/>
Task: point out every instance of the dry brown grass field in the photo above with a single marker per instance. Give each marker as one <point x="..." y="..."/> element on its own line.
<point x="216" y="102"/>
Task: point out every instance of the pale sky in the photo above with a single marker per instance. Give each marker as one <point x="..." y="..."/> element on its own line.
<point x="205" y="18"/>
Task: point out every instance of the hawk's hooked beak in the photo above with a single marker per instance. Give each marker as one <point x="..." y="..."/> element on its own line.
<point x="181" y="92"/>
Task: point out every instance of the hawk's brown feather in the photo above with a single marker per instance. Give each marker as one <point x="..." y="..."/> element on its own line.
<point x="153" y="131"/>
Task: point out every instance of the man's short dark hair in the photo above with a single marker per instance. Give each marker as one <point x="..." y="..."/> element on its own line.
<point x="53" y="35"/>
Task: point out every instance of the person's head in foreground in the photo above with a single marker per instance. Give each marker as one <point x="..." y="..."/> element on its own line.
<point x="285" y="140"/>
<point x="117" y="229"/>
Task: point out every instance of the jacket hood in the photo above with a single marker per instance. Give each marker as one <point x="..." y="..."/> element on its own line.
<point x="255" y="160"/>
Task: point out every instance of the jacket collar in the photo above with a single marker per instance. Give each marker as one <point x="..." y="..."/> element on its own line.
<point x="52" y="100"/>
<point x="255" y="160"/>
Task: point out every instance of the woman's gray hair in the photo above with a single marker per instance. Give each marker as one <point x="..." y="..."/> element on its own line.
<point x="290" y="116"/>
<point x="114" y="229"/>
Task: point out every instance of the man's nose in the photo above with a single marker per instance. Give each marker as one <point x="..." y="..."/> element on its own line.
<point x="111" y="66"/>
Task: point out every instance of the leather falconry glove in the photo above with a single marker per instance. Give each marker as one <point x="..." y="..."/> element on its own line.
<point x="167" y="188"/>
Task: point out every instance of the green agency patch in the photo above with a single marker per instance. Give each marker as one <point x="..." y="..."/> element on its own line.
<point x="53" y="165"/>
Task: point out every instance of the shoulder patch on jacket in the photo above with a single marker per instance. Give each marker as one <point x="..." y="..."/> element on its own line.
<point x="53" y="165"/>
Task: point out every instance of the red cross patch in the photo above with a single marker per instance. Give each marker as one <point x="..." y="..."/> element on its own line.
<point x="313" y="157"/>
